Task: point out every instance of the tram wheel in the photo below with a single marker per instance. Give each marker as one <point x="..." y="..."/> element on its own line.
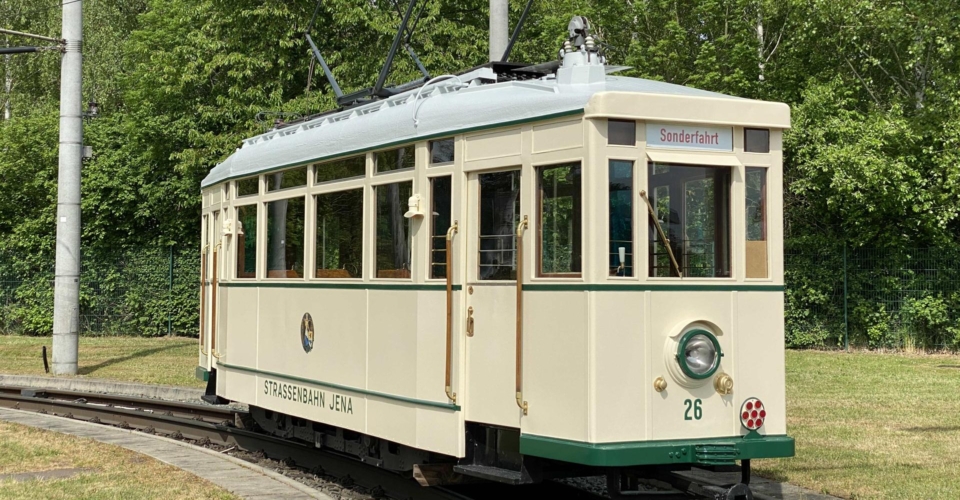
<point x="738" y="491"/>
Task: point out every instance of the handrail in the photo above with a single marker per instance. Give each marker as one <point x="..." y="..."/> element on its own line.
<point x="520" y="228"/>
<point x="203" y="298"/>
<point x="653" y="214"/>
<point x="213" y="300"/>
<point x="448" y="376"/>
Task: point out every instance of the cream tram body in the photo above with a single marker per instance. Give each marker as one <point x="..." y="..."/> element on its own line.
<point x="346" y="333"/>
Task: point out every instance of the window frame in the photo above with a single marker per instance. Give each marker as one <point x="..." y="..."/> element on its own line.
<point x="400" y="176"/>
<point x="363" y="226"/>
<point x="476" y="233"/>
<point x="430" y="162"/>
<point x="376" y="162"/>
<point x="236" y="239"/>
<point x="538" y="219"/>
<point x="637" y="210"/>
<point x="236" y="184"/>
<point x="757" y="129"/>
<point x="315" y="166"/>
<point x="765" y="203"/>
<point x="266" y="238"/>
<point x="266" y="180"/>
<point x="636" y="128"/>
<point x="430" y="224"/>
<point x="732" y="256"/>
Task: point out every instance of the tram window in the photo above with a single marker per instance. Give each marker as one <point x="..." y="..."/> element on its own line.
<point x="756" y="140"/>
<point x="621" y="218"/>
<point x="395" y="159"/>
<point x="561" y="202"/>
<point x="340" y="234"/>
<point x="285" y="227"/>
<point x="692" y="206"/>
<point x="441" y="151"/>
<point x="499" y="216"/>
<point x="248" y="187"/>
<point x="440" y="188"/>
<point x="756" y="187"/>
<point x="622" y="132"/>
<point x="247" y="242"/>
<point x="393" y="230"/>
<point x="355" y="166"/>
<point x="287" y="179"/>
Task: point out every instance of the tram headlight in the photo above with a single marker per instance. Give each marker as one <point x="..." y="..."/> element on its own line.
<point x="698" y="354"/>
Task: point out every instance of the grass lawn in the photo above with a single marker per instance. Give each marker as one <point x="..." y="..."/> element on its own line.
<point x="166" y="361"/>
<point x="872" y="425"/>
<point x="867" y="425"/>
<point x="113" y="472"/>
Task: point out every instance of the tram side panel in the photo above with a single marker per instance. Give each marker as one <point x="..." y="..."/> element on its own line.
<point x="555" y="364"/>
<point x="760" y="351"/>
<point x="364" y="343"/>
<point x="621" y="368"/>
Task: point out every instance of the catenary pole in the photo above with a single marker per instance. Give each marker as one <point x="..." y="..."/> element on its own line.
<point x="66" y="298"/>
<point x="499" y="28"/>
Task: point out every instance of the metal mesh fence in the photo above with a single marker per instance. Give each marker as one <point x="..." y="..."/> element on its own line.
<point x="143" y="293"/>
<point x="869" y="297"/>
<point x="866" y="297"/>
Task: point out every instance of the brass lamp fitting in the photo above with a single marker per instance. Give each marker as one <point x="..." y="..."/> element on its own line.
<point x="723" y="383"/>
<point x="659" y="384"/>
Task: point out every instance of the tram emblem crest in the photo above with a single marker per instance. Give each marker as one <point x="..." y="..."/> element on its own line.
<point x="306" y="332"/>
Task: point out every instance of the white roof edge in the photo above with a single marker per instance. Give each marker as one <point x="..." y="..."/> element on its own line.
<point x="391" y="121"/>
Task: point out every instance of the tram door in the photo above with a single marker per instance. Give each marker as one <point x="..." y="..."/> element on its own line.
<point x="208" y="296"/>
<point x="494" y="213"/>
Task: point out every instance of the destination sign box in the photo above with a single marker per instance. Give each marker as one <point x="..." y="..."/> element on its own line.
<point x="660" y="135"/>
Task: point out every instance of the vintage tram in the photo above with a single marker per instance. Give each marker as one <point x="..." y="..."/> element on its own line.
<point x="512" y="278"/>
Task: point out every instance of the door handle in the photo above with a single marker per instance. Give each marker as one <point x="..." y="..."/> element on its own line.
<point x="470" y="321"/>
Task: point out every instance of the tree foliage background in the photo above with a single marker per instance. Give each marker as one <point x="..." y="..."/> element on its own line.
<point x="871" y="160"/>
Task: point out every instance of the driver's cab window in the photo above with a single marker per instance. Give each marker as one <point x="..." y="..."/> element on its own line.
<point x="689" y="221"/>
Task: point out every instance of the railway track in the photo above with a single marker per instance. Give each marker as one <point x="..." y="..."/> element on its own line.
<point x="223" y="426"/>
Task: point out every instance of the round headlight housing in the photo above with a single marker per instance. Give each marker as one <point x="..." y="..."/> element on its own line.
<point x="698" y="354"/>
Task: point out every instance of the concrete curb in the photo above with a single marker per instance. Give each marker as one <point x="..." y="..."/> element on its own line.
<point x="164" y="392"/>
<point x="306" y="490"/>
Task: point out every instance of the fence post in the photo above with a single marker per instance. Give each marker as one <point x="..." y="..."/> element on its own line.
<point x="846" y="322"/>
<point x="170" y="298"/>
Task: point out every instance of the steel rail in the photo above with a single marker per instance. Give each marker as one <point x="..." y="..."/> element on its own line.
<point x="226" y="434"/>
<point x="221" y="426"/>
<point x="208" y="413"/>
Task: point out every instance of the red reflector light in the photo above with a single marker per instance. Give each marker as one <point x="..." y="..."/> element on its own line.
<point x="751" y="414"/>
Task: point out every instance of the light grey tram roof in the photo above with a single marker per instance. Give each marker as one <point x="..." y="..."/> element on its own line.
<point x="442" y="109"/>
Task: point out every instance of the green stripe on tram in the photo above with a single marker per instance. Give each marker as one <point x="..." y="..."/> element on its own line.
<point x="649" y="287"/>
<point x="528" y="287"/>
<point x="706" y="451"/>
<point x="339" y="286"/>
<point x="345" y="388"/>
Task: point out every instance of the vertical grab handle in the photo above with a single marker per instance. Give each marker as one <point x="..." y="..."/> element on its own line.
<point x="203" y="299"/>
<point x="448" y="375"/>
<point x="520" y="229"/>
<point x="213" y="303"/>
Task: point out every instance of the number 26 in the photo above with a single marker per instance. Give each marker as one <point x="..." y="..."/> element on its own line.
<point x="697" y="410"/>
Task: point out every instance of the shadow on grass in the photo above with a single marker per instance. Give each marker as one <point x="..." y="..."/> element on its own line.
<point x="934" y="428"/>
<point x="87" y="370"/>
